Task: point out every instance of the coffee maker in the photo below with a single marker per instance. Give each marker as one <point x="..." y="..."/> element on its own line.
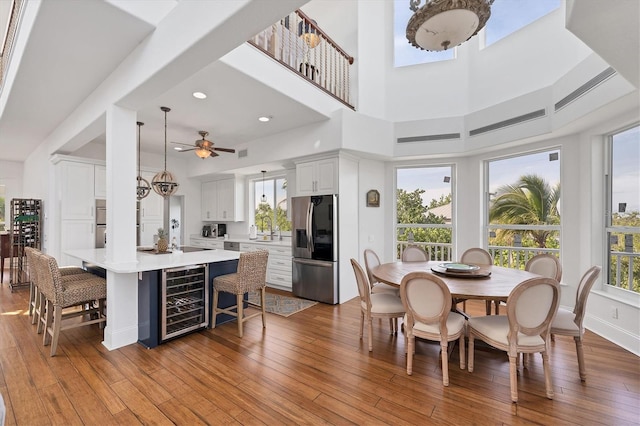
<point x="208" y="231"/>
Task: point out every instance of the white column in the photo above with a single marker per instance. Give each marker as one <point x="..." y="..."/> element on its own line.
<point x="122" y="289"/>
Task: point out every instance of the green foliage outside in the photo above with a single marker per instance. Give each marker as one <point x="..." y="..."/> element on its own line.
<point x="631" y="220"/>
<point x="264" y="216"/>
<point x="411" y="211"/>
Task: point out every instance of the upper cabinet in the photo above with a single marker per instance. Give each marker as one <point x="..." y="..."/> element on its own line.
<point x="77" y="190"/>
<point x="223" y="200"/>
<point x="100" y="181"/>
<point x="151" y="206"/>
<point x="317" y="177"/>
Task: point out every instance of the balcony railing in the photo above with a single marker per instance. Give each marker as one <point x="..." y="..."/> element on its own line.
<point x="9" y="36"/>
<point x="620" y="263"/>
<point x="300" y="45"/>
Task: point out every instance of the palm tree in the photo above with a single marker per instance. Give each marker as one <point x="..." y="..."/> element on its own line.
<point x="530" y="201"/>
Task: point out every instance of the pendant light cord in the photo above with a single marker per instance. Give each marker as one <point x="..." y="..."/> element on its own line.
<point x="140" y="124"/>
<point x="165" y="138"/>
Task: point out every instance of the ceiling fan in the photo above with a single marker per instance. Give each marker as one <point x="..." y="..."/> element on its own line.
<point x="203" y="147"/>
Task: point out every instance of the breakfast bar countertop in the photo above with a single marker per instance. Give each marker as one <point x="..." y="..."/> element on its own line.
<point x="151" y="261"/>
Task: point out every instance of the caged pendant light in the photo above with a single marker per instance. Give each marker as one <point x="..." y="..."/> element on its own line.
<point x="143" y="188"/>
<point x="164" y="183"/>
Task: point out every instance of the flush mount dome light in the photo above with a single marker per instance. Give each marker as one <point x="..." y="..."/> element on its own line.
<point x="199" y="95"/>
<point x="264" y="118"/>
<point x="442" y="24"/>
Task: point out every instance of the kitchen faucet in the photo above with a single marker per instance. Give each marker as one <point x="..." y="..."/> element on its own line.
<point x="270" y="228"/>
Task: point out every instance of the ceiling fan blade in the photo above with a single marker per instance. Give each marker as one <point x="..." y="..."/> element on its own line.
<point x="185" y="150"/>
<point x="213" y="154"/>
<point x="224" y="149"/>
<point x="180" y="143"/>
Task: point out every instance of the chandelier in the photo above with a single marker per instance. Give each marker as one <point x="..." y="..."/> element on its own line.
<point x="441" y="24"/>
<point x="143" y="188"/>
<point x="164" y="183"/>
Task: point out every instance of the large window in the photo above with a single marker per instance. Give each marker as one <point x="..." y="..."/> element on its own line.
<point x="508" y="16"/>
<point x="523" y="207"/>
<point x="623" y="210"/>
<point x="270" y="205"/>
<point x="424" y="210"/>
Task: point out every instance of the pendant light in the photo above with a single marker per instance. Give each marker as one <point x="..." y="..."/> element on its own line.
<point x="143" y="188"/>
<point x="164" y="183"/>
<point x="263" y="199"/>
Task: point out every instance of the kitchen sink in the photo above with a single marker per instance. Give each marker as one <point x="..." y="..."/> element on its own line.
<point x="184" y="249"/>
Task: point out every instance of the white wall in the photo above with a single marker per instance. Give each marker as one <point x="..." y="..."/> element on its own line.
<point x="11" y="177"/>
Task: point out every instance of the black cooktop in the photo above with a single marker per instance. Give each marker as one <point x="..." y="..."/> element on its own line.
<point x="189" y="249"/>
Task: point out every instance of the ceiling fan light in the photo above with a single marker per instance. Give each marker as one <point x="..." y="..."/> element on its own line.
<point x="203" y="153"/>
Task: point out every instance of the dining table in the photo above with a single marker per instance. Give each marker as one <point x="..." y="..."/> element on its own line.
<point x="485" y="282"/>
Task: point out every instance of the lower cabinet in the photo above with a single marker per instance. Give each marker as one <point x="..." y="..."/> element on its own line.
<point x="207" y="243"/>
<point x="279" y="266"/>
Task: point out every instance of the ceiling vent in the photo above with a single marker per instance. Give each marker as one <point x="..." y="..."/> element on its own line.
<point x="242" y="153"/>
<point x="588" y="86"/>
<point x="429" y="138"/>
<point x="510" y="122"/>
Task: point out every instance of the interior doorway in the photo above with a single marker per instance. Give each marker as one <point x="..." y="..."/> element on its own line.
<point x="174" y="218"/>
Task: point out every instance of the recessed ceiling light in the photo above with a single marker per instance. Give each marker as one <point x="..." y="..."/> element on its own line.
<point x="264" y="118"/>
<point x="177" y="148"/>
<point x="199" y="95"/>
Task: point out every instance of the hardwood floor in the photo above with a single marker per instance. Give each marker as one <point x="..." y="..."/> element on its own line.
<point x="309" y="368"/>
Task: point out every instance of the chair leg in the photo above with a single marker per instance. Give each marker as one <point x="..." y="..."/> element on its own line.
<point x="581" y="368"/>
<point x="34" y="306"/>
<point x="215" y="308"/>
<point x="497" y="303"/>
<point x="361" y="324"/>
<point x="513" y="377"/>
<point x="547" y="374"/>
<point x="463" y="358"/>
<point x="48" y="323"/>
<point x="42" y="312"/>
<point x="32" y="298"/>
<point x="264" y="311"/>
<point x="239" y="310"/>
<point x="370" y="332"/>
<point x="101" y="312"/>
<point x="488" y="307"/>
<point x="470" y="360"/>
<point x="410" y="349"/>
<point x="57" y="324"/>
<point x="444" y="352"/>
<point x="391" y="325"/>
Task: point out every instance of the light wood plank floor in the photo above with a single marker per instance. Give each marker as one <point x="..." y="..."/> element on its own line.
<point x="310" y="368"/>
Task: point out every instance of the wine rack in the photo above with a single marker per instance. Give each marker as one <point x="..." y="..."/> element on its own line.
<point x="25" y="231"/>
<point x="185" y="300"/>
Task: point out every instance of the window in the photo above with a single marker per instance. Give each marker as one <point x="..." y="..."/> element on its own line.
<point x="623" y="211"/>
<point x="424" y="210"/>
<point x="270" y="205"/>
<point x="508" y="16"/>
<point x="523" y="207"/>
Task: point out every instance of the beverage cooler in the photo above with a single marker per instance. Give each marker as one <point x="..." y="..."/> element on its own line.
<point x="184" y="300"/>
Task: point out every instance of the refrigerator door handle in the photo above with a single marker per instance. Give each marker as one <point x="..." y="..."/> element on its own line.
<point x="309" y="228"/>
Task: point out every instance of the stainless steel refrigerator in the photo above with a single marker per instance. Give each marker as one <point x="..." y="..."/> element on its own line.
<point x="315" y="247"/>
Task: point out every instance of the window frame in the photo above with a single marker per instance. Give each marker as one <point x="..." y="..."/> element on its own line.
<point x="254" y="184"/>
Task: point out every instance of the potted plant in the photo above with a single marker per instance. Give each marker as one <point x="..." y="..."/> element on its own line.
<point x="163" y="243"/>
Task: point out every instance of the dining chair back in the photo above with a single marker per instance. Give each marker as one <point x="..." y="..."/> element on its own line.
<point x="371" y="260"/>
<point x="414" y="254"/>
<point x="531" y="307"/>
<point x="479" y="256"/>
<point x="427" y="300"/>
<point x="570" y="323"/>
<point x="546" y="265"/>
<point x="251" y="275"/>
<point x="375" y="305"/>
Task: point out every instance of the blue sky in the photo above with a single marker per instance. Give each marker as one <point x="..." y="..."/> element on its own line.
<point x="626" y="176"/>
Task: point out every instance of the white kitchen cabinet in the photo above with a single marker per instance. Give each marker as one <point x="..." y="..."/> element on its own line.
<point x="279" y="263"/>
<point x="75" y="234"/>
<point x="77" y="191"/>
<point x="100" y="181"/>
<point x="223" y="200"/>
<point x="317" y="177"/>
<point x="148" y="229"/>
<point x="209" y="243"/>
<point x="151" y="206"/>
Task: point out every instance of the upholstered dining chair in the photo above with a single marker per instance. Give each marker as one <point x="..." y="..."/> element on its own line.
<point x="427" y="300"/>
<point x="526" y="328"/>
<point x="77" y="290"/>
<point x="375" y="305"/>
<point x="478" y="256"/>
<point x="414" y="254"/>
<point x="251" y="275"/>
<point x="546" y="265"/>
<point x="371" y="260"/>
<point x="569" y="323"/>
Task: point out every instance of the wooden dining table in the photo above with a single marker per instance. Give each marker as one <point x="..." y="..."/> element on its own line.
<point x="497" y="285"/>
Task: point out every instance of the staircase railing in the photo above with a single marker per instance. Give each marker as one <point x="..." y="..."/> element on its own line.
<point x="300" y="45"/>
<point x="7" y="46"/>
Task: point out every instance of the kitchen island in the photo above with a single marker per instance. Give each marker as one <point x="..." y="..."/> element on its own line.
<point x="125" y="280"/>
